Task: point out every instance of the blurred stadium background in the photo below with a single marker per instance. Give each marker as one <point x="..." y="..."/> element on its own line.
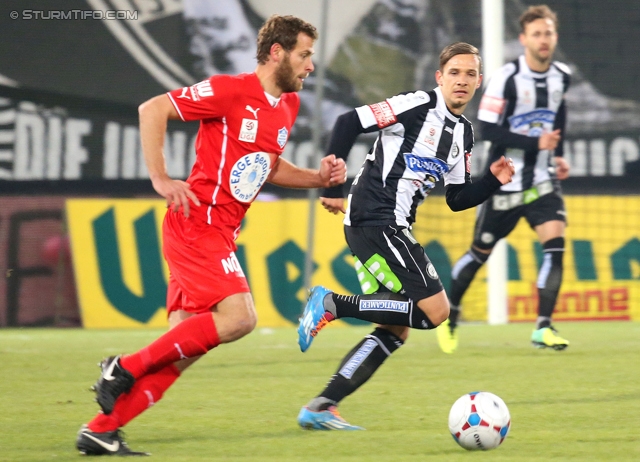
<point x="79" y="221"/>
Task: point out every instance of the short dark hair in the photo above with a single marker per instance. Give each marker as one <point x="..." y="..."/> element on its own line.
<point x="535" y="12"/>
<point x="283" y="30"/>
<point x="458" y="48"/>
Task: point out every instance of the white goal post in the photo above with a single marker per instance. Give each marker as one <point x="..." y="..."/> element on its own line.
<point x="493" y="57"/>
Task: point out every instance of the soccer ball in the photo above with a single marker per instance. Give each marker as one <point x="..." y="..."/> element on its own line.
<point x="479" y="420"/>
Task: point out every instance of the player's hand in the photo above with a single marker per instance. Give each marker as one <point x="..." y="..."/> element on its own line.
<point x="332" y="171"/>
<point x="503" y="170"/>
<point x="176" y="192"/>
<point x="562" y="168"/>
<point x="333" y="204"/>
<point x="549" y="140"/>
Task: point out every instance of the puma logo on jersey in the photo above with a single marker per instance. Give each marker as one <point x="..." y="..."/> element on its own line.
<point x="253" y="111"/>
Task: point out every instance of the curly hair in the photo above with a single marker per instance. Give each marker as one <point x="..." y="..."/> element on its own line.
<point x="283" y="30"/>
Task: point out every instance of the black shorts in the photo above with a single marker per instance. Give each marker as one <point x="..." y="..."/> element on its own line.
<point x="389" y="259"/>
<point x="492" y="225"/>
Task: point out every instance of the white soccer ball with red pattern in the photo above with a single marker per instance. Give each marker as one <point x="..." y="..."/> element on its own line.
<point x="479" y="420"/>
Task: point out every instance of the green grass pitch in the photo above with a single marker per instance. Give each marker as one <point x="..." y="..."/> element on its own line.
<point x="240" y="402"/>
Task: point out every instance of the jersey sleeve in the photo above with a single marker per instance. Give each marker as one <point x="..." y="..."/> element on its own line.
<point x="458" y="174"/>
<point x="494" y="102"/>
<point x="386" y="113"/>
<point x="461" y="171"/>
<point x="208" y="99"/>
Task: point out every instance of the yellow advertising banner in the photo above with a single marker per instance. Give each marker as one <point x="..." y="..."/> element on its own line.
<point x="601" y="278"/>
<point x="122" y="278"/>
<point x="117" y="260"/>
<point x="601" y="263"/>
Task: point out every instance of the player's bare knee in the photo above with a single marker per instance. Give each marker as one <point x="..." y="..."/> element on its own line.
<point x="246" y="323"/>
<point x="439" y="314"/>
<point x="436" y="308"/>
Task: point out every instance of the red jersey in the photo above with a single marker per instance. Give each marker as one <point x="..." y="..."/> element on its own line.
<point x="240" y="137"/>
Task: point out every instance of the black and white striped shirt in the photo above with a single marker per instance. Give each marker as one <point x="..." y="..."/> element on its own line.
<point x="420" y="142"/>
<point x="517" y="107"/>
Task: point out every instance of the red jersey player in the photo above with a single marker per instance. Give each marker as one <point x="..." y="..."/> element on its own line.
<point x="245" y="121"/>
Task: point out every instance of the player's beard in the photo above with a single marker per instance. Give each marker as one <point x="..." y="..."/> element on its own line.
<point x="542" y="60"/>
<point x="286" y="79"/>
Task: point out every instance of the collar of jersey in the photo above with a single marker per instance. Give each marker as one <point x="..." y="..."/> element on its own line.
<point x="441" y="106"/>
<point x="537" y="75"/>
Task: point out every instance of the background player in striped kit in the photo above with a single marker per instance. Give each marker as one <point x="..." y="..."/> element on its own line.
<point x="422" y="138"/>
<point x="522" y="113"/>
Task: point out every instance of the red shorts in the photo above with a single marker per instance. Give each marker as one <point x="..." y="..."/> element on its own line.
<point x="203" y="266"/>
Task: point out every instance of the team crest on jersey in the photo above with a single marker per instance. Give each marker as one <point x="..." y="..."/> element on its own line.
<point x="248" y="175"/>
<point x="283" y="135"/>
<point x="431" y="271"/>
<point x="487" y="238"/>
<point x="455" y="150"/>
<point x="248" y="131"/>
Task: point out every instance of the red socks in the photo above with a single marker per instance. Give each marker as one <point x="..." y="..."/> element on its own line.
<point x="147" y="391"/>
<point x="192" y="337"/>
<point x="154" y="370"/>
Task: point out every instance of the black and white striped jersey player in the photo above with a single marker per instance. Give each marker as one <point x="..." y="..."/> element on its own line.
<point x="523" y="113"/>
<point x="420" y="141"/>
<point x="517" y="108"/>
<point x="422" y="138"/>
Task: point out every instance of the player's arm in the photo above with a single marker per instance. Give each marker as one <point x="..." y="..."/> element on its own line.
<point x="504" y="137"/>
<point x="461" y="193"/>
<point x="467" y="195"/>
<point x="366" y="119"/>
<point x="154" y="115"/>
<point x="561" y="164"/>
<point x="343" y="136"/>
<point x="332" y="172"/>
<point x="497" y="97"/>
